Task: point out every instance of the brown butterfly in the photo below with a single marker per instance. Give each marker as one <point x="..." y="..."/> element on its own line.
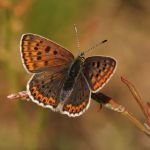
<point x="60" y="81"/>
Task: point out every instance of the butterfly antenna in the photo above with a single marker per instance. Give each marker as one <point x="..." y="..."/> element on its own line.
<point x="96" y="45"/>
<point x="77" y="37"/>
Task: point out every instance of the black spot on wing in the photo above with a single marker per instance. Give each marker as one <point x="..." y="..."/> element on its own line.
<point x="39" y="58"/>
<point x="55" y="52"/>
<point x="46" y="63"/>
<point x="35" y="48"/>
<point x="47" y="49"/>
<point x="98" y="64"/>
<point x="39" y="53"/>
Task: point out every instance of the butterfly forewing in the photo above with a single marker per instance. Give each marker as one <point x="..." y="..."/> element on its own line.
<point x="98" y="70"/>
<point x="44" y="88"/>
<point x="40" y="54"/>
<point x="79" y="100"/>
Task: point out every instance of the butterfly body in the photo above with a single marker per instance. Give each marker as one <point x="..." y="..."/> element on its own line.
<point x="73" y="73"/>
<point x="60" y="81"/>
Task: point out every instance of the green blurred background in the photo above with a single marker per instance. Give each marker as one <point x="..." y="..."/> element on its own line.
<point x="126" y="25"/>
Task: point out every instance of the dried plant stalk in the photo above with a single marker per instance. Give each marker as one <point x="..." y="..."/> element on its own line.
<point x="136" y="95"/>
<point x="111" y="104"/>
<point x="19" y="95"/>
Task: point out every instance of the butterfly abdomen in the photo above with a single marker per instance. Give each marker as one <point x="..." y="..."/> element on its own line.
<point x="70" y="80"/>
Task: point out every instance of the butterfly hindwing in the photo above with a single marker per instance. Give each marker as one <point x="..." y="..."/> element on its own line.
<point x="98" y="70"/>
<point x="44" y="88"/>
<point x="79" y="100"/>
<point x="40" y="54"/>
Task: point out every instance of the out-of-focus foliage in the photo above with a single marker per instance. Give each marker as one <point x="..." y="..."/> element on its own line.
<point x="126" y="25"/>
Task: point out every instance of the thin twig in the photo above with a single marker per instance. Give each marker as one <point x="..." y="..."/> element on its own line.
<point x="136" y="96"/>
<point x="111" y="104"/>
<point x="138" y="99"/>
<point x="19" y="95"/>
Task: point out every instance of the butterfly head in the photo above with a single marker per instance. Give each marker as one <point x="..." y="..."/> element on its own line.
<point x="82" y="54"/>
<point x="82" y="57"/>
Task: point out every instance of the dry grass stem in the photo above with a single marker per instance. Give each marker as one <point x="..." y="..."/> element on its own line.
<point x="111" y="104"/>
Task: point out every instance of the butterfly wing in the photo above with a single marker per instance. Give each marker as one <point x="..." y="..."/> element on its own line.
<point x="79" y="100"/>
<point x="98" y="70"/>
<point x="44" y="88"/>
<point x="39" y="54"/>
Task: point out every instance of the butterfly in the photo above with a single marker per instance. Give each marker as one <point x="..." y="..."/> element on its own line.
<point x="59" y="80"/>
